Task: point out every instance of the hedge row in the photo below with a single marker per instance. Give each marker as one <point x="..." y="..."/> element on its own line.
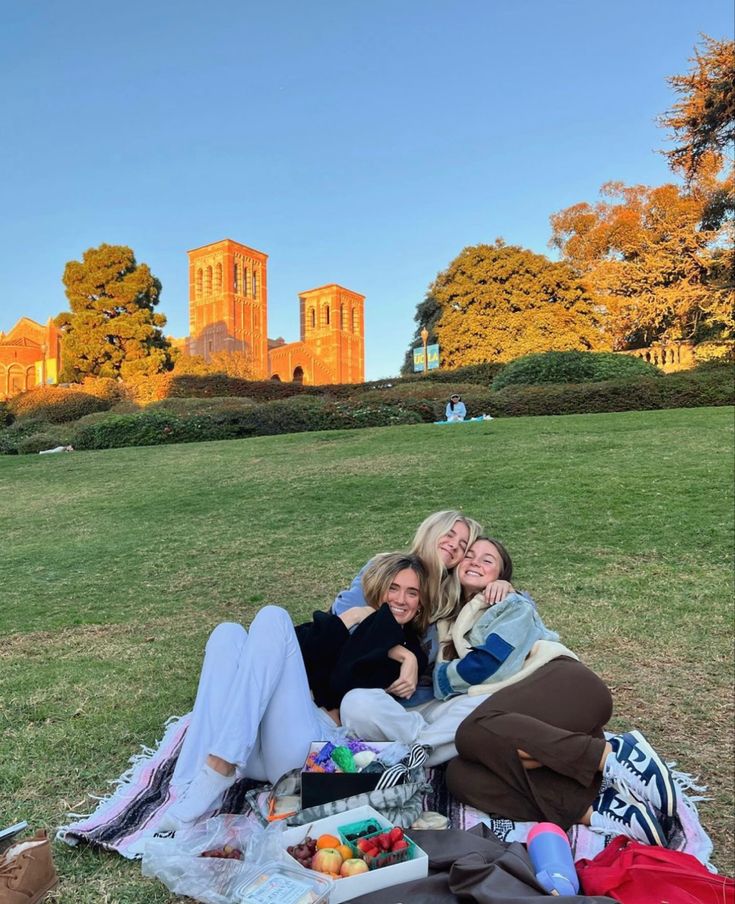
<point x="55" y="404"/>
<point x="571" y="367"/>
<point x="190" y="420"/>
<point x="157" y="426"/>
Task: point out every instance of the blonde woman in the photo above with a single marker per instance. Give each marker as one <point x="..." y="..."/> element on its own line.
<point x="266" y="693"/>
<point x="406" y="710"/>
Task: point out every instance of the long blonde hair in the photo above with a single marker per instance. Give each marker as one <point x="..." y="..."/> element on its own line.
<point x="443" y="597"/>
<point x="379" y="575"/>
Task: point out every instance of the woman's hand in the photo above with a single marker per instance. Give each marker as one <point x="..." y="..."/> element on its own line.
<point x="496" y="592"/>
<point x="408" y="677"/>
<point x="355" y="615"/>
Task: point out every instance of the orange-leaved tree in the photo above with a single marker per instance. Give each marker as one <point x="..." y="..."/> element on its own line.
<point x="651" y="261"/>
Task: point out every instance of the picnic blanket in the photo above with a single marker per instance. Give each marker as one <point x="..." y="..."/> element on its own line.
<point x="123" y="820"/>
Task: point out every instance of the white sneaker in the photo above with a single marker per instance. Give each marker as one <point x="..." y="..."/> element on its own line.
<point x="634" y="764"/>
<point x="617" y="813"/>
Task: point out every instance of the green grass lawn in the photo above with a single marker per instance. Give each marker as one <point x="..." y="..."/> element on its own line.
<point x="117" y="564"/>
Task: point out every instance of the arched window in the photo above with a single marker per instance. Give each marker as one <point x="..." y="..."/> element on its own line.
<point x="16" y="379"/>
<point x="312" y="317"/>
<point x="276" y="378"/>
<point x="235" y="268"/>
<point x="30" y="377"/>
<point x="354" y="321"/>
<point x="255" y="284"/>
<point x="298" y="375"/>
<point x="244" y="280"/>
<point x="198" y="283"/>
<point x="342" y="323"/>
<point x="218" y="277"/>
<point x="326" y="315"/>
<point x="208" y="281"/>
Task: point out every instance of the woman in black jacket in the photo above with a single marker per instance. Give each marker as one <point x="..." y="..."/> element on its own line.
<point x="265" y="694"/>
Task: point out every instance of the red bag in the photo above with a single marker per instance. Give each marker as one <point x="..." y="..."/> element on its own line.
<point x="635" y="873"/>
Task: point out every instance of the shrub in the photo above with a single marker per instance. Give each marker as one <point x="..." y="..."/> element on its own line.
<point x="144" y="389"/>
<point x="105" y="388"/>
<point x="686" y="389"/>
<point x="571" y="367"/>
<point x="470" y="373"/>
<point x="145" y="428"/>
<point x="6" y="415"/>
<point x="37" y="442"/>
<point x="19" y="435"/>
<point x="55" y="404"/>
<point x="722" y="351"/>
<point x="220" y="385"/>
<point x="213" y="406"/>
<point x="154" y="427"/>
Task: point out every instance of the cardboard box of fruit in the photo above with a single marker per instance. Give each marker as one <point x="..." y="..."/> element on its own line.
<point x="356" y="877"/>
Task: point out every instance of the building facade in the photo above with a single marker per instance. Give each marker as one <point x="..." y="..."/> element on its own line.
<point x="30" y="355"/>
<point x="228" y="312"/>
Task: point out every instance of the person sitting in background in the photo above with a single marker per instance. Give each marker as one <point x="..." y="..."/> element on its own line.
<point x="456" y="410"/>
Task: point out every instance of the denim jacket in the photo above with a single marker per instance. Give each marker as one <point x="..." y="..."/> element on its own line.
<point x="493" y="643"/>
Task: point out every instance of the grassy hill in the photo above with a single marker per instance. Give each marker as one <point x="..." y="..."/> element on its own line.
<point x="117" y="564"/>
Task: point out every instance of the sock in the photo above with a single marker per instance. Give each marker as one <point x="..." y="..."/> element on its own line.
<point x="207" y="786"/>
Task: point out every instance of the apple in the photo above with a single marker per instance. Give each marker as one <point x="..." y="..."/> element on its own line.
<point x="327" y="860"/>
<point x="353" y="867"/>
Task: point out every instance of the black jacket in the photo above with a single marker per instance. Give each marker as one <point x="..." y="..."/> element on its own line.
<point x="337" y="661"/>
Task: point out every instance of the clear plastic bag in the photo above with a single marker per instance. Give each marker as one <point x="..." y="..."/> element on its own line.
<point x="177" y="862"/>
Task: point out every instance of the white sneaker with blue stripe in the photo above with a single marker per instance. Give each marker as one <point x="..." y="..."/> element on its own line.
<point x="635" y="765"/>
<point x="617" y="813"/>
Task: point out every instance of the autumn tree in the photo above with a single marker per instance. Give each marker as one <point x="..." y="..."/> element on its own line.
<point x="651" y="262"/>
<point x="500" y="301"/>
<point x="702" y="121"/>
<point x="112" y="328"/>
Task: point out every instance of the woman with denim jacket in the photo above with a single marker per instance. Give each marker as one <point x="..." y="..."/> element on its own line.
<point x="535" y="749"/>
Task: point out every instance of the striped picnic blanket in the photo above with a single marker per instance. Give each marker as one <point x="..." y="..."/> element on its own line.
<point x="123" y="820"/>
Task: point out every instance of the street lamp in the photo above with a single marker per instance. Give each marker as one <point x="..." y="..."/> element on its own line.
<point x="424" y="338"/>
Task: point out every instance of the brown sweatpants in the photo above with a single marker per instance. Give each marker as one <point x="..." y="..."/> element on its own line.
<point x="557" y="716"/>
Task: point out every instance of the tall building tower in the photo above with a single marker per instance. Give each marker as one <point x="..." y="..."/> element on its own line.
<point x="228" y="302"/>
<point x="333" y="328"/>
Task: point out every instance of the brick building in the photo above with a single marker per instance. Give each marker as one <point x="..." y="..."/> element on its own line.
<point x="30" y="355"/>
<point x="228" y="311"/>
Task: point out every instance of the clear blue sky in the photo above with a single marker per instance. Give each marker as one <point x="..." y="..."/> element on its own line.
<point x="363" y="142"/>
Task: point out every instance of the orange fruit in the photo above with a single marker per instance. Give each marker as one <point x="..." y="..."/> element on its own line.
<point x="346" y="851"/>
<point x="327" y="841"/>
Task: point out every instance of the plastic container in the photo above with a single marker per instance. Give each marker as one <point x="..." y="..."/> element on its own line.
<point x="373" y="880"/>
<point x="279" y="883"/>
<point x="367" y="828"/>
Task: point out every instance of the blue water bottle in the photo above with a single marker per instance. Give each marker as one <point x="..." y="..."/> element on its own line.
<point x="551" y="856"/>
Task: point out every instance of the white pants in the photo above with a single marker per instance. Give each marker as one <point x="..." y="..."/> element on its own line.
<point x="373" y="715"/>
<point x="253" y="706"/>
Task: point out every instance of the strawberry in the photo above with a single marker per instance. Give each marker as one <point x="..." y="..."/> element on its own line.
<point x="364" y="844"/>
<point x="400" y="845"/>
<point x="384" y="841"/>
<point x="395" y="834"/>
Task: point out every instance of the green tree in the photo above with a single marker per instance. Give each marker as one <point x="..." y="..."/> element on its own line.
<point x="499" y="301"/>
<point x="703" y="119"/>
<point x="112" y="329"/>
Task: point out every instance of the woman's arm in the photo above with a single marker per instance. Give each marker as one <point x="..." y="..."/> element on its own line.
<point x="350" y="618"/>
<point x="408" y="677"/>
